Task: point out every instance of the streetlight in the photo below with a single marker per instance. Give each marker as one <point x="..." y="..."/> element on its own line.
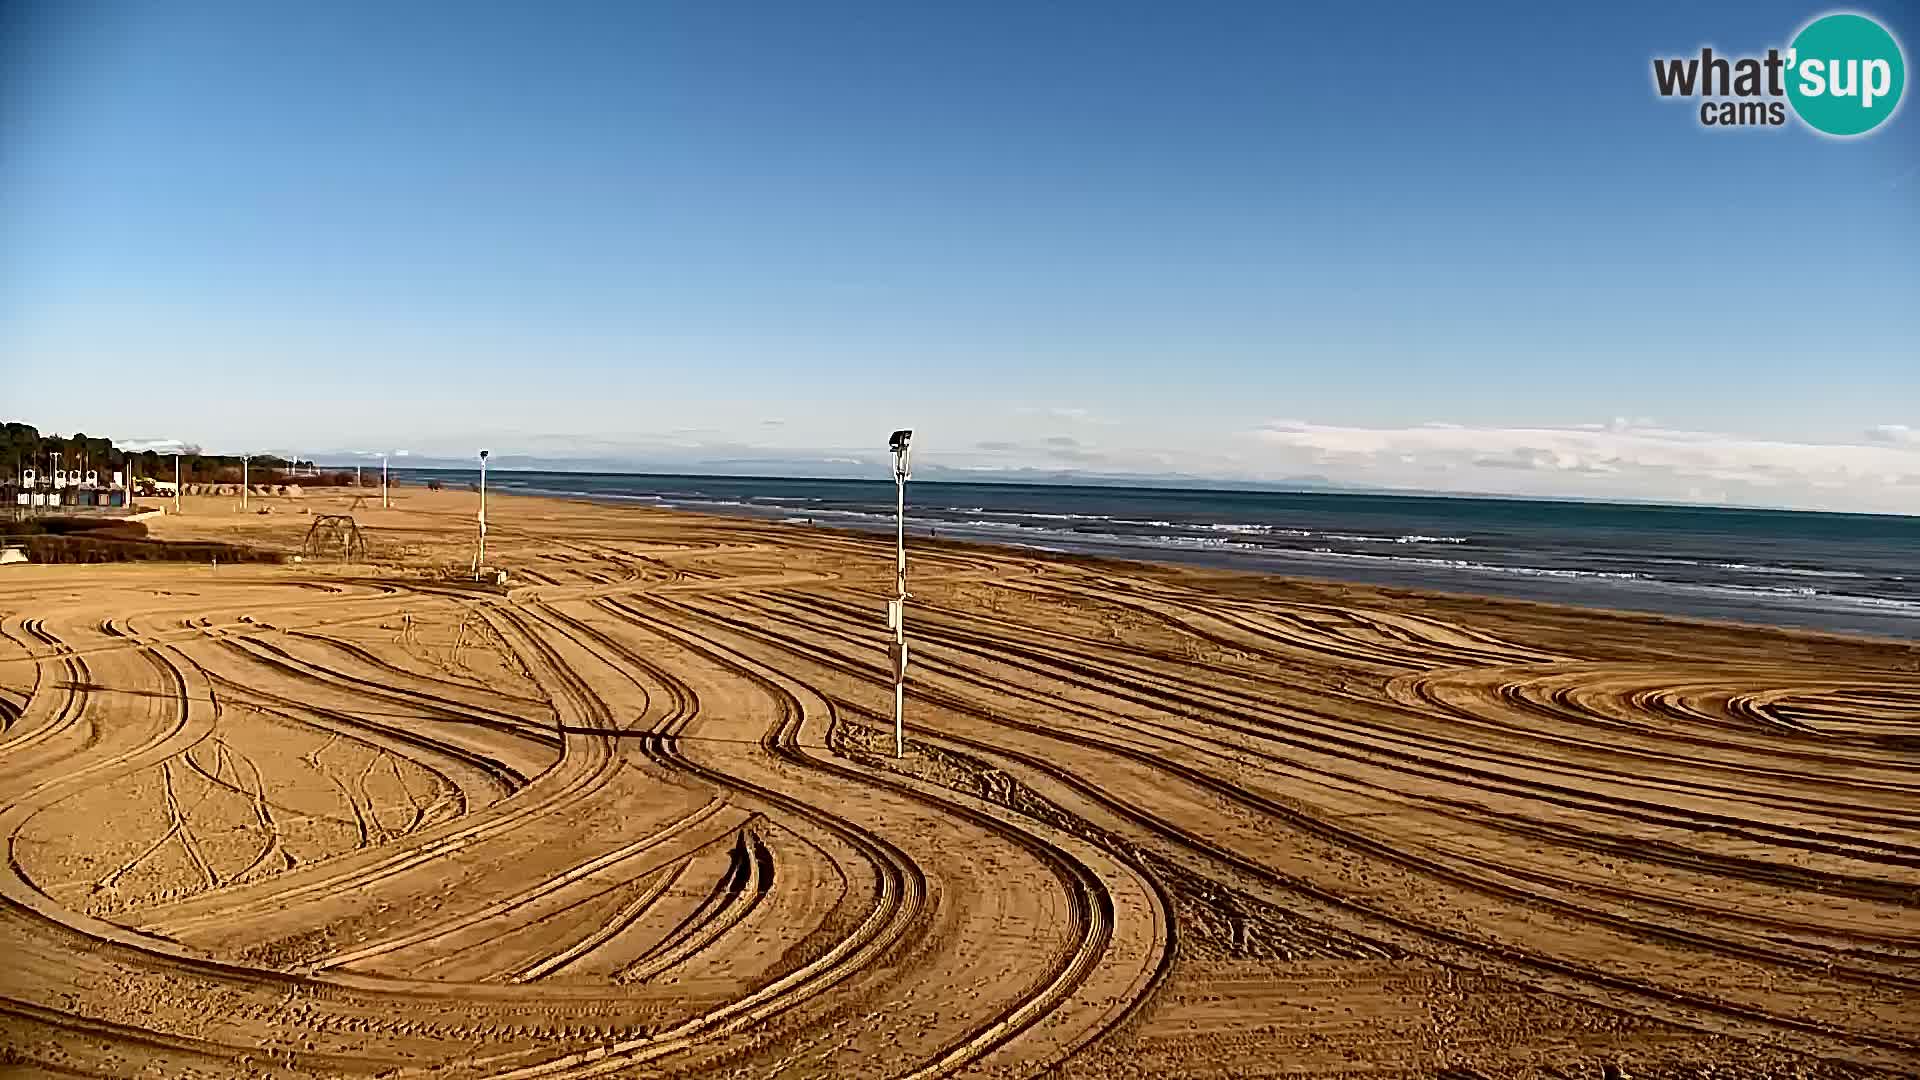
<point x="176" y="483"/>
<point x="245" y="460"/>
<point x="480" y="556"/>
<point x="386" y="500"/>
<point x="897" y="610"/>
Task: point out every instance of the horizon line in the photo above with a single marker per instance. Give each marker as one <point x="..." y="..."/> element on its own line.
<point x="1142" y="483"/>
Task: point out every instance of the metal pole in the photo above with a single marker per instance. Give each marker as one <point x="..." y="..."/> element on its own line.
<point x="384" y="504"/>
<point x="245" y="460"/>
<point x="900" y="596"/>
<point x="900" y="621"/>
<point x="176" y="484"/>
<point x="480" y="556"/>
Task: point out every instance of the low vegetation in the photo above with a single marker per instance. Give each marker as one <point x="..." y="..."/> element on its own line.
<point x="106" y="539"/>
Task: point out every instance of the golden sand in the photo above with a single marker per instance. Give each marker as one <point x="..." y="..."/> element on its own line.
<point x="638" y="814"/>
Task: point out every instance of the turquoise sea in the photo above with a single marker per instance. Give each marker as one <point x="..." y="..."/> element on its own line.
<point x="1849" y="572"/>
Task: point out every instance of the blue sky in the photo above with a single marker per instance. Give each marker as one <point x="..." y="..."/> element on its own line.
<point x="1462" y="247"/>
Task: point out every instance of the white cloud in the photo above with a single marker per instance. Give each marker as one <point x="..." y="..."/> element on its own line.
<point x="1624" y="458"/>
<point x="158" y="446"/>
<point x="1073" y="413"/>
<point x="1628" y="458"/>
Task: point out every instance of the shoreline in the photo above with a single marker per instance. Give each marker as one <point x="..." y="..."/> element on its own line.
<point x="1840" y="619"/>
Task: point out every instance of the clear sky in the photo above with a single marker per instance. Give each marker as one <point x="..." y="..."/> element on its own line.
<point x="1456" y="246"/>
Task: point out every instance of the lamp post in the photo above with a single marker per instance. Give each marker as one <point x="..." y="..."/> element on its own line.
<point x="384" y="503"/>
<point x="245" y="461"/>
<point x="897" y="610"/>
<point x="176" y="482"/>
<point x="480" y="555"/>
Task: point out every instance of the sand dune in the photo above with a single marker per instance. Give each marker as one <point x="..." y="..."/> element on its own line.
<point x="637" y="814"/>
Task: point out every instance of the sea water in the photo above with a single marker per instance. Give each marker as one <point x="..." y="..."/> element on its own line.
<point x="1848" y="572"/>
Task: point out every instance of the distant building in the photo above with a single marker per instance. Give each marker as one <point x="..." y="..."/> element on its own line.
<point x="64" y="489"/>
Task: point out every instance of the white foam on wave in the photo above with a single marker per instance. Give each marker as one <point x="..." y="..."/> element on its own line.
<point x="1787" y="571"/>
<point x="1410" y="538"/>
<point x="1792" y="593"/>
<point x="1803" y="593"/>
<point x="1235" y="528"/>
<point x="1466" y="564"/>
<point x="1071" y="531"/>
<point x="1261" y="530"/>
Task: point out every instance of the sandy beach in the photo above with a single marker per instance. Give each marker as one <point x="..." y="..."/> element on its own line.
<point x="638" y="813"/>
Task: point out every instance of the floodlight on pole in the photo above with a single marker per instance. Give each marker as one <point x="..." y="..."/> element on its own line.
<point x="897" y="610"/>
<point x="384" y="502"/>
<point x="245" y="461"/>
<point x="480" y="554"/>
<point x="176" y="483"/>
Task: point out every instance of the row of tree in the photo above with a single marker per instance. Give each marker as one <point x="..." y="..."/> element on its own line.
<point x="22" y="447"/>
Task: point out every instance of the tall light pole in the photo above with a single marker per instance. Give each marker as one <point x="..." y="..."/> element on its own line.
<point x="176" y="482"/>
<point x="245" y="460"/>
<point x="384" y="503"/>
<point x="897" y="610"/>
<point x="480" y="556"/>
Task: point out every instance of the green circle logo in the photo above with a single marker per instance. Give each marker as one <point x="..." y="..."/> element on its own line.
<point x="1845" y="74"/>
